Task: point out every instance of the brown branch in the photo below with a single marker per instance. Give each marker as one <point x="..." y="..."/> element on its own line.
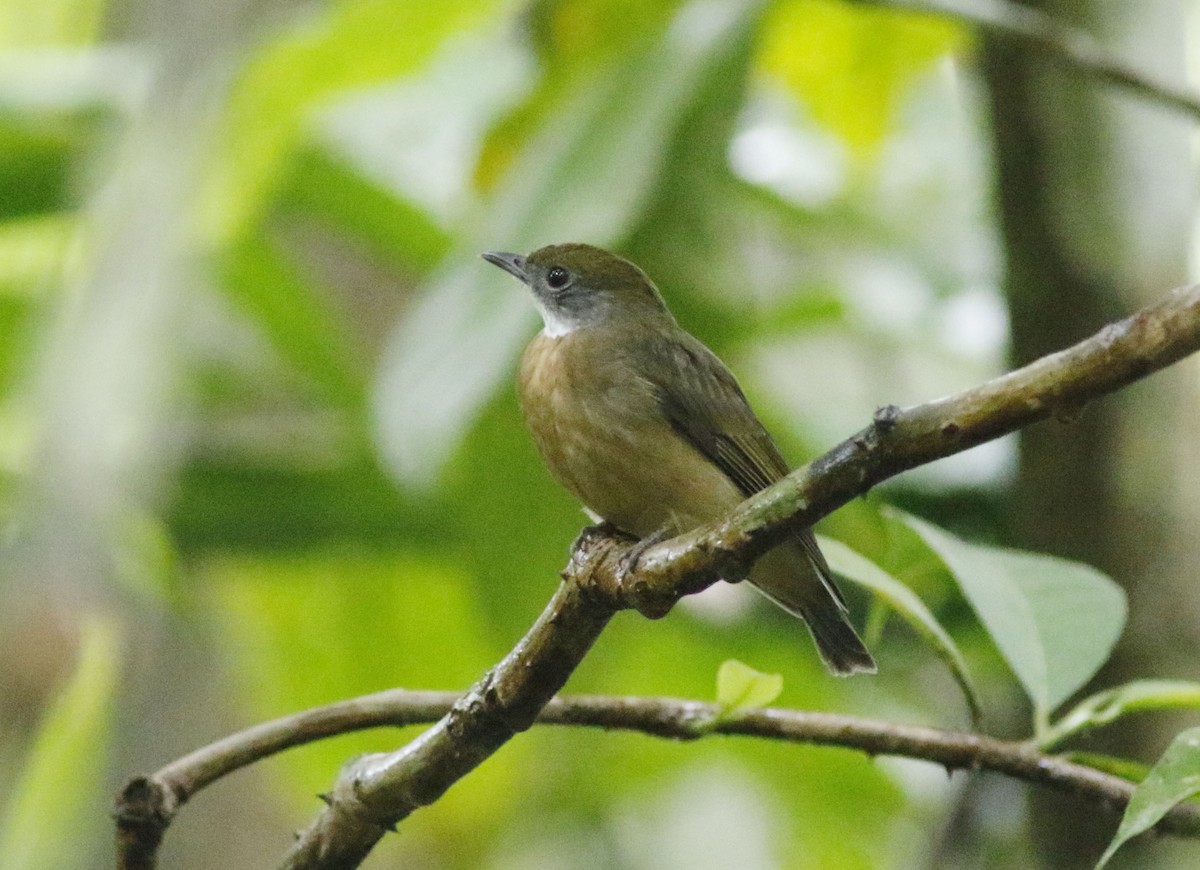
<point x="1060" y="43"/>
<point x="374" y="793"/>
<point x="378" y="791"/>
<point x="1058" y="385"/>
<point x="661" y="717"/>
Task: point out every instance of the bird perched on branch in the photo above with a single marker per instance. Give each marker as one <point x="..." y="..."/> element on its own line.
<point x="650" y="430"/>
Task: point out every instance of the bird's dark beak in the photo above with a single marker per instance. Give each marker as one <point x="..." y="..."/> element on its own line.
<point x="513" y="264"/>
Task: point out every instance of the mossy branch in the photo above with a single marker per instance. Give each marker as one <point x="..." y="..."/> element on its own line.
<point x="670" y="718"/>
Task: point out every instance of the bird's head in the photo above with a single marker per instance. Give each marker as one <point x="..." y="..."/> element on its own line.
<point x="575" y="286"/>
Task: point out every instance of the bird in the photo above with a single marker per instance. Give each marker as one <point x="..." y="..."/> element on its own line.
<point x="646" y="426"/>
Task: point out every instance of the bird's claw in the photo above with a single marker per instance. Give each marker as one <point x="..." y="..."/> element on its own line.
<point x="590" y="535"/>
<point x="629" y="561"/>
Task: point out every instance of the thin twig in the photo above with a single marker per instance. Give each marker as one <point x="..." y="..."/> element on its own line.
<point x="1060" y="43"/>
<point x="671" y="718"/>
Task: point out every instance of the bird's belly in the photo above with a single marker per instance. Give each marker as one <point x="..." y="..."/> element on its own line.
<point x="641" y="481"/>
<point x="619" y="456"/>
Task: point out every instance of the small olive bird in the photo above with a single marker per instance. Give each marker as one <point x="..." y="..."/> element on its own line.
<point x="650" y="430"/>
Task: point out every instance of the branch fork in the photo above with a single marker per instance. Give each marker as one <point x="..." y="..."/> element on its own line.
<point x="378" y="791"/>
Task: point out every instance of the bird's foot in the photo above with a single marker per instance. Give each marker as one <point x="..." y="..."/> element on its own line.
<point x="629" y="562"/>
<point x="589" y="536"/>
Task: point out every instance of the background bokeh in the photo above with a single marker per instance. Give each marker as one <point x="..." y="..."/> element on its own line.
<point x="259" y="448"/>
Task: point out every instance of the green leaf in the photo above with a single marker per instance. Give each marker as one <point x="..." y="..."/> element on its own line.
<point x="323" y="186"/>
<point x="32" y="251"/>
<point x="583" y="175"/>
<point x="301" y="630"/>
<point x="1108" y="706"/>
<point x="740" y="687"/>
<point x="350" y="45"/>
<point x="1174" y="778"/>
<point x="237" y="506"/>
<point x="35" y="154"/>
<point x="302" y="326"/>
<point x="306" y="629"/>
<point x="56" y="798"/>
<point x="1054" y="621"/>
<point x="36" y="25"/>
<point x="1133" y="771"/>
<point x="858" y="569"/>
<point x="851" y="66"/>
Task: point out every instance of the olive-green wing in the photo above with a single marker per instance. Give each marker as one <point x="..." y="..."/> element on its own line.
<point x="704" y="404"/>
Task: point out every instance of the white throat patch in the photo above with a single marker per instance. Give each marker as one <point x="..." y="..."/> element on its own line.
<point x="553" y="324"/>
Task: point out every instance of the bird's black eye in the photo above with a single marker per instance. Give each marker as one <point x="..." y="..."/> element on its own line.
<point x="558" y="277"/>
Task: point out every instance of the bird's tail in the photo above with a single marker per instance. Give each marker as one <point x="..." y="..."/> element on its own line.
<point x="796" y="577"/>
<point x="840" y="647"/>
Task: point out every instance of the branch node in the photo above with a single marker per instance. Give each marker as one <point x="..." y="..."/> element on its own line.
<point x="469" y="708"/>
<point x="649" y="602"/>
<point x="143" y="809"/>
<point x="886" y="418"/>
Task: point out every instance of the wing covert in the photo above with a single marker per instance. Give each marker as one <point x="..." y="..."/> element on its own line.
<point x="704" y="403"/>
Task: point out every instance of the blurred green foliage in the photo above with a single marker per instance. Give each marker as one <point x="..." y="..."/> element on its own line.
<point x="853" y="67"/>
<point x="335" y="489"/>
<point x="63" y="778"/>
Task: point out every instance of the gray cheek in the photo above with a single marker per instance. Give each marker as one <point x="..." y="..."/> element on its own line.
<point x="571" y="308"/>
